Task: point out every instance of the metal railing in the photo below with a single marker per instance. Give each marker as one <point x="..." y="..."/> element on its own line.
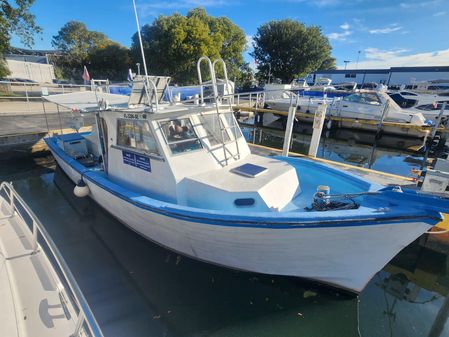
<point x="86" y="323"/>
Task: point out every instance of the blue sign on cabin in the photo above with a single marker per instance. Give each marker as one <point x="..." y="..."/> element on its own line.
<point x="136" y="160"/>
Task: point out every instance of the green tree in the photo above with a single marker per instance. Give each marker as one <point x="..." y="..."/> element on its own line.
<point x="112" y="62"/>
<point x="174" y="43"/>
<point x="82" y="47"/>
<point x="328" y="64"/>
<point x="76" y="41"/>
<point x="245" y="78"/>
<point x="291" y="48"/>
<point x="16" y="18"/>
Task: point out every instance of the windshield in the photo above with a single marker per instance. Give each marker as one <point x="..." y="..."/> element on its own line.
<point x="180" y="135"/>
<point x="364" y="98"/>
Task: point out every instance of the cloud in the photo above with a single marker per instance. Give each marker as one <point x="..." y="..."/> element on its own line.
<point x="440" y="13"/>
<point x="319" y="3"/>
<point x="380" y="59"/>
<point x="249" y="41"/>
<point x="155" y="8"/>
<point x="341" y="36"/>
<point x="345" y="26"/>
<point x="386" y="30"/>
<point x="379" y="54"/>
<point x="419" y="4"/>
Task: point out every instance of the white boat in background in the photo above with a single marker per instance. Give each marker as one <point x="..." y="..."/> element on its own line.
<point x="38" y="294"/>
<point x="182" y="175"/>
<point x="440" y="86"/>
<point x="322" y="87"/>
<point x="431" y="111"/>
<point x="363" y="105"/>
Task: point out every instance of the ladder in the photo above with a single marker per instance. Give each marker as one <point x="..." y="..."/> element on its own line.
<point x="232" y="123"/>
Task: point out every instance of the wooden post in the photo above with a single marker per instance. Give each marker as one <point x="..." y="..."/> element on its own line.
<point x="318" y="123"/>
<point x="289" y="129"/>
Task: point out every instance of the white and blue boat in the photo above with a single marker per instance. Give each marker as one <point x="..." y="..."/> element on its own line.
<point x="182" y="175"/>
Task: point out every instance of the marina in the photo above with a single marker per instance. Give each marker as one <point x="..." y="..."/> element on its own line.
<point x="208" y="194"/>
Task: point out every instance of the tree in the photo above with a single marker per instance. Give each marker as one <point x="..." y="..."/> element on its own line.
<point x="291" y="48"/>
<point x="245" y="78"/>
<point x="328" y="64"/>
<point x="174" y="43"/>
<point x="112" y="61"/>
<point x="81" y="46"/>
<point x="16" y="18"/>
<point x="76" y="41"/>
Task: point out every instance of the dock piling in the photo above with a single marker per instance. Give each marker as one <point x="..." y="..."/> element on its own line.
<point x="318" y="123"/>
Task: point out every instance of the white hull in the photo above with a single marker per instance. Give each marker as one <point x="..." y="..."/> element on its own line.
<point x="345" y="256"/>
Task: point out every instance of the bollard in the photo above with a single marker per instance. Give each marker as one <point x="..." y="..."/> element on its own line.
<point x="318" y="123"/>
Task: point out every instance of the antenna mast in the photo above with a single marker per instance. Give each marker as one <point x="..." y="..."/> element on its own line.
<point x="146" y="83"/>
<point x="140" y="39"/>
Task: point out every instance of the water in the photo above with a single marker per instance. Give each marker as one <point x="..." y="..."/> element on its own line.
<point x="389" y="154"/>
<point x="137" y="288"/>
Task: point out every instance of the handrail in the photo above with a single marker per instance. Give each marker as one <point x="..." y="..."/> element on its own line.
<point x="212" y="73"/>
<point x="85" y="313"/>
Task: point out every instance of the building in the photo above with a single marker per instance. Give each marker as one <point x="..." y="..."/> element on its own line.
<point x="30" y="64"/>
<point x="391" y="76"/>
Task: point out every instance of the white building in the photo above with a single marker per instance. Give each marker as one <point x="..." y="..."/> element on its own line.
<point x="392" y="76"/>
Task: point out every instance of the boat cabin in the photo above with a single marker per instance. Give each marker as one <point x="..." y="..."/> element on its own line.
<point x="189" y="154"/>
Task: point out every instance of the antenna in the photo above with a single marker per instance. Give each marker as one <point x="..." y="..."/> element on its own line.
<point x="146" y="82"/>
<point x="140" y="39"/>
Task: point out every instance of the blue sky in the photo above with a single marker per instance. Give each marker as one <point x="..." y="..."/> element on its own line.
<point x="387" y="33"/>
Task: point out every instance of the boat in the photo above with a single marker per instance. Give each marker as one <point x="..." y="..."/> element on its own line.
<point x="183" y="176"/>
<point x="438" y="86"/>
<point x="38" y="293"/>
<point x="322" y="87"/>
<point x="360" y="110"/>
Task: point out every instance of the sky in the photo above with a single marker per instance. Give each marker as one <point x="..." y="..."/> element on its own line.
<point x="369" y="34"/>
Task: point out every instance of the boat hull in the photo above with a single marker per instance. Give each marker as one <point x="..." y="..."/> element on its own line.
<point x="345" y="255"/>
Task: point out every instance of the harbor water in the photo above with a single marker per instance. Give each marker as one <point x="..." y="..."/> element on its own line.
<point x="136" y="288"/>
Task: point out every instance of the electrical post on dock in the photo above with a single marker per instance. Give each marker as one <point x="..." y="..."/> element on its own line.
<point x="318" y="123"/>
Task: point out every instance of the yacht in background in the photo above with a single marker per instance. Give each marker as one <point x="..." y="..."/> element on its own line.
<point x="363" y="105"/>
<point x="440" y="86"/>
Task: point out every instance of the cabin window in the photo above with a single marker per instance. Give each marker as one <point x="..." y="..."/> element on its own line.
<point x="364" y="98"/>
<point x="212" y="126"/>
<point x="408" y="93"/>
<point x="434" y="106"/>
<point x="180" y="135"/>
<point x="350" y="75"/>
<point x="136" y="134"/>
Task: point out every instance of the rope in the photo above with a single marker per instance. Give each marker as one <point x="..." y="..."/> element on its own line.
<point x="439" y="232"/>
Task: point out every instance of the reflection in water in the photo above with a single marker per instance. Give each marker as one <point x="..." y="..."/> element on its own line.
<point x="388" y="153"/>
<point x="137" y="288"/>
